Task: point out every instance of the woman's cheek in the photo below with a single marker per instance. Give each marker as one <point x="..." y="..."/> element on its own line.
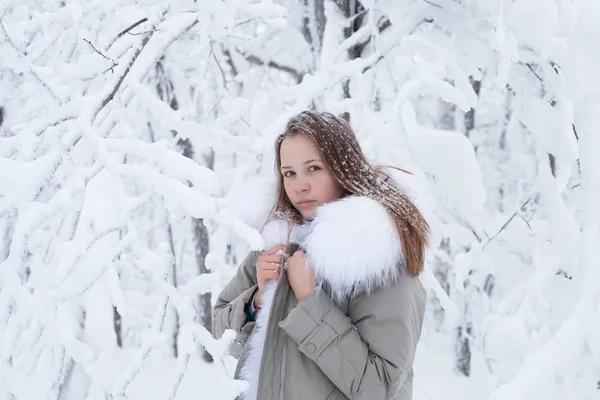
<point x="286" y="188"/>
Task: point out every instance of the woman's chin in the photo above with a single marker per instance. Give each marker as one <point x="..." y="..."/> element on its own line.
<point x="308" y="215"/>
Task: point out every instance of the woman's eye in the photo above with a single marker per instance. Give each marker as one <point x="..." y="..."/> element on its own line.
<point x="287" y="174"/>
<point x="314" y="168"/>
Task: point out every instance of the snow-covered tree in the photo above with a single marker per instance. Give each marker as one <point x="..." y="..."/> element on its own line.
<point x="108" y="190"/>
<point x="124" y="124"/>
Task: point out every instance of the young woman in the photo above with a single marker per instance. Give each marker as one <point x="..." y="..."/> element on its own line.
<point x="333" y="309"/>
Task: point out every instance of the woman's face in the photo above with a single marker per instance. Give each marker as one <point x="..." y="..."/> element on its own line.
<point x="307" y="179"/>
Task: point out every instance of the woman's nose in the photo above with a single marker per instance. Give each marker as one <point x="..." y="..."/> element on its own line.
<point x="302" y="187"/>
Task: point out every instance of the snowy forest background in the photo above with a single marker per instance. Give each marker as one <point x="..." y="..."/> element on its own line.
<point x="125" y="123"/>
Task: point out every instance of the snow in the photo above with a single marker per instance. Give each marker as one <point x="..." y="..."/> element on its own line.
<point x="98" y="191"/>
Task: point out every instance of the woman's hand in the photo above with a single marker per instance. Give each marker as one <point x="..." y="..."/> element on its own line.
<point x="301" y="276"/>
<point x="268" y="265"/>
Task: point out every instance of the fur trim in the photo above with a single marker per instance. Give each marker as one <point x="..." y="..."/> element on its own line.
<point x="278" y="232"/>
<point x="354" y="245"/>
<point x="251" y="366"/>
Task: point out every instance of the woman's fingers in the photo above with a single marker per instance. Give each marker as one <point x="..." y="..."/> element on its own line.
<point x="268" y="266"/>
<point x="266" y="275"/>
<point x="274" y="249"/>
<point x="274" y="258"/>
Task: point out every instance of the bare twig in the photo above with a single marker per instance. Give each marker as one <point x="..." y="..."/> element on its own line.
<point x="114" y="64"/>
<point x="183" y="29"/>
<point x="247" y="21"/>
<point x="527" y="221"/>
<point x="111" y="95"/>
<point x="365" y="69"/>
<point x="55" y="119"/>
<point x="562" y="273"/>
<point x="255" y="60"/>
<point x="359" y="47"/>
<point x="515" y="214"/>
<point x="433" y="4"/>
<point x="557" y="69"/>
<point x="386" y="24"/>
<point x="234" y="73"/>
<point x="140" y="33"/>
<point x="212" y="52"/>
<point x="30" y="69"/>
<point x="95" y="49"/>
<point x="227" y="54"/>
<point x="535" y="73"/>
<point x="141" y="21"/>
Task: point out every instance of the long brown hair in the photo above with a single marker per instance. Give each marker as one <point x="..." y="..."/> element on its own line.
<point x="340" y="150"/>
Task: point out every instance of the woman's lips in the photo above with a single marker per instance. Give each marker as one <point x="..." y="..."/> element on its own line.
<point x="305" y="203"/>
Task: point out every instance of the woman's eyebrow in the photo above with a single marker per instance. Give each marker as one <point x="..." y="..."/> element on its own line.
<point x="309" y="161"/>
<point x="305" y="162"/>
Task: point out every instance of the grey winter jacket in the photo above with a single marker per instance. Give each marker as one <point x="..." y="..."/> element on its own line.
<point x="355" y="337"/>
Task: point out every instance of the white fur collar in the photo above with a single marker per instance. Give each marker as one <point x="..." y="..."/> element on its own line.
<point x="352" y="243"/>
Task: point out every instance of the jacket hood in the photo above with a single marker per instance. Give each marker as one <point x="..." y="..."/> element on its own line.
<point x="352" y="243"/>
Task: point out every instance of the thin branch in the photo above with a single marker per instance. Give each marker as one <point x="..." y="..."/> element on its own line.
<point x="557" y="69"/>
<point x="261" y="19"/>
<point x="433" y="4"/>
<point x="105" y="70"/>
<point x="218" y="65"/>
<point x="386" y="24"/>
<point x="145" y="41"/>
<point x="382" y="56"/>
<point x="359" y="47"/>
<point x="516" y="213"/>
<point x="117" y="86"/>
<point x="356" y="16"/>
<point x="272" y="64"/>
<point x="527" y="222"/>
<point x="564" y="274"/>
<point x="227" y="55"/>
<point x="141" y="21"/>
<point x="140" y="33"/>
<point x="95" y="49"/>
<point x="234" y="73"/>
<point x="98" y="51"/>
<point x="368" y="67"/>
<point x="57" y="118"/>
<point x="30" y="69"/>
<point x="535" y="73"/>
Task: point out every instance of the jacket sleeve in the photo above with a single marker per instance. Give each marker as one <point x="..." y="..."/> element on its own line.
<point x="230" y="309"/>
<point x="368" y="354"/>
